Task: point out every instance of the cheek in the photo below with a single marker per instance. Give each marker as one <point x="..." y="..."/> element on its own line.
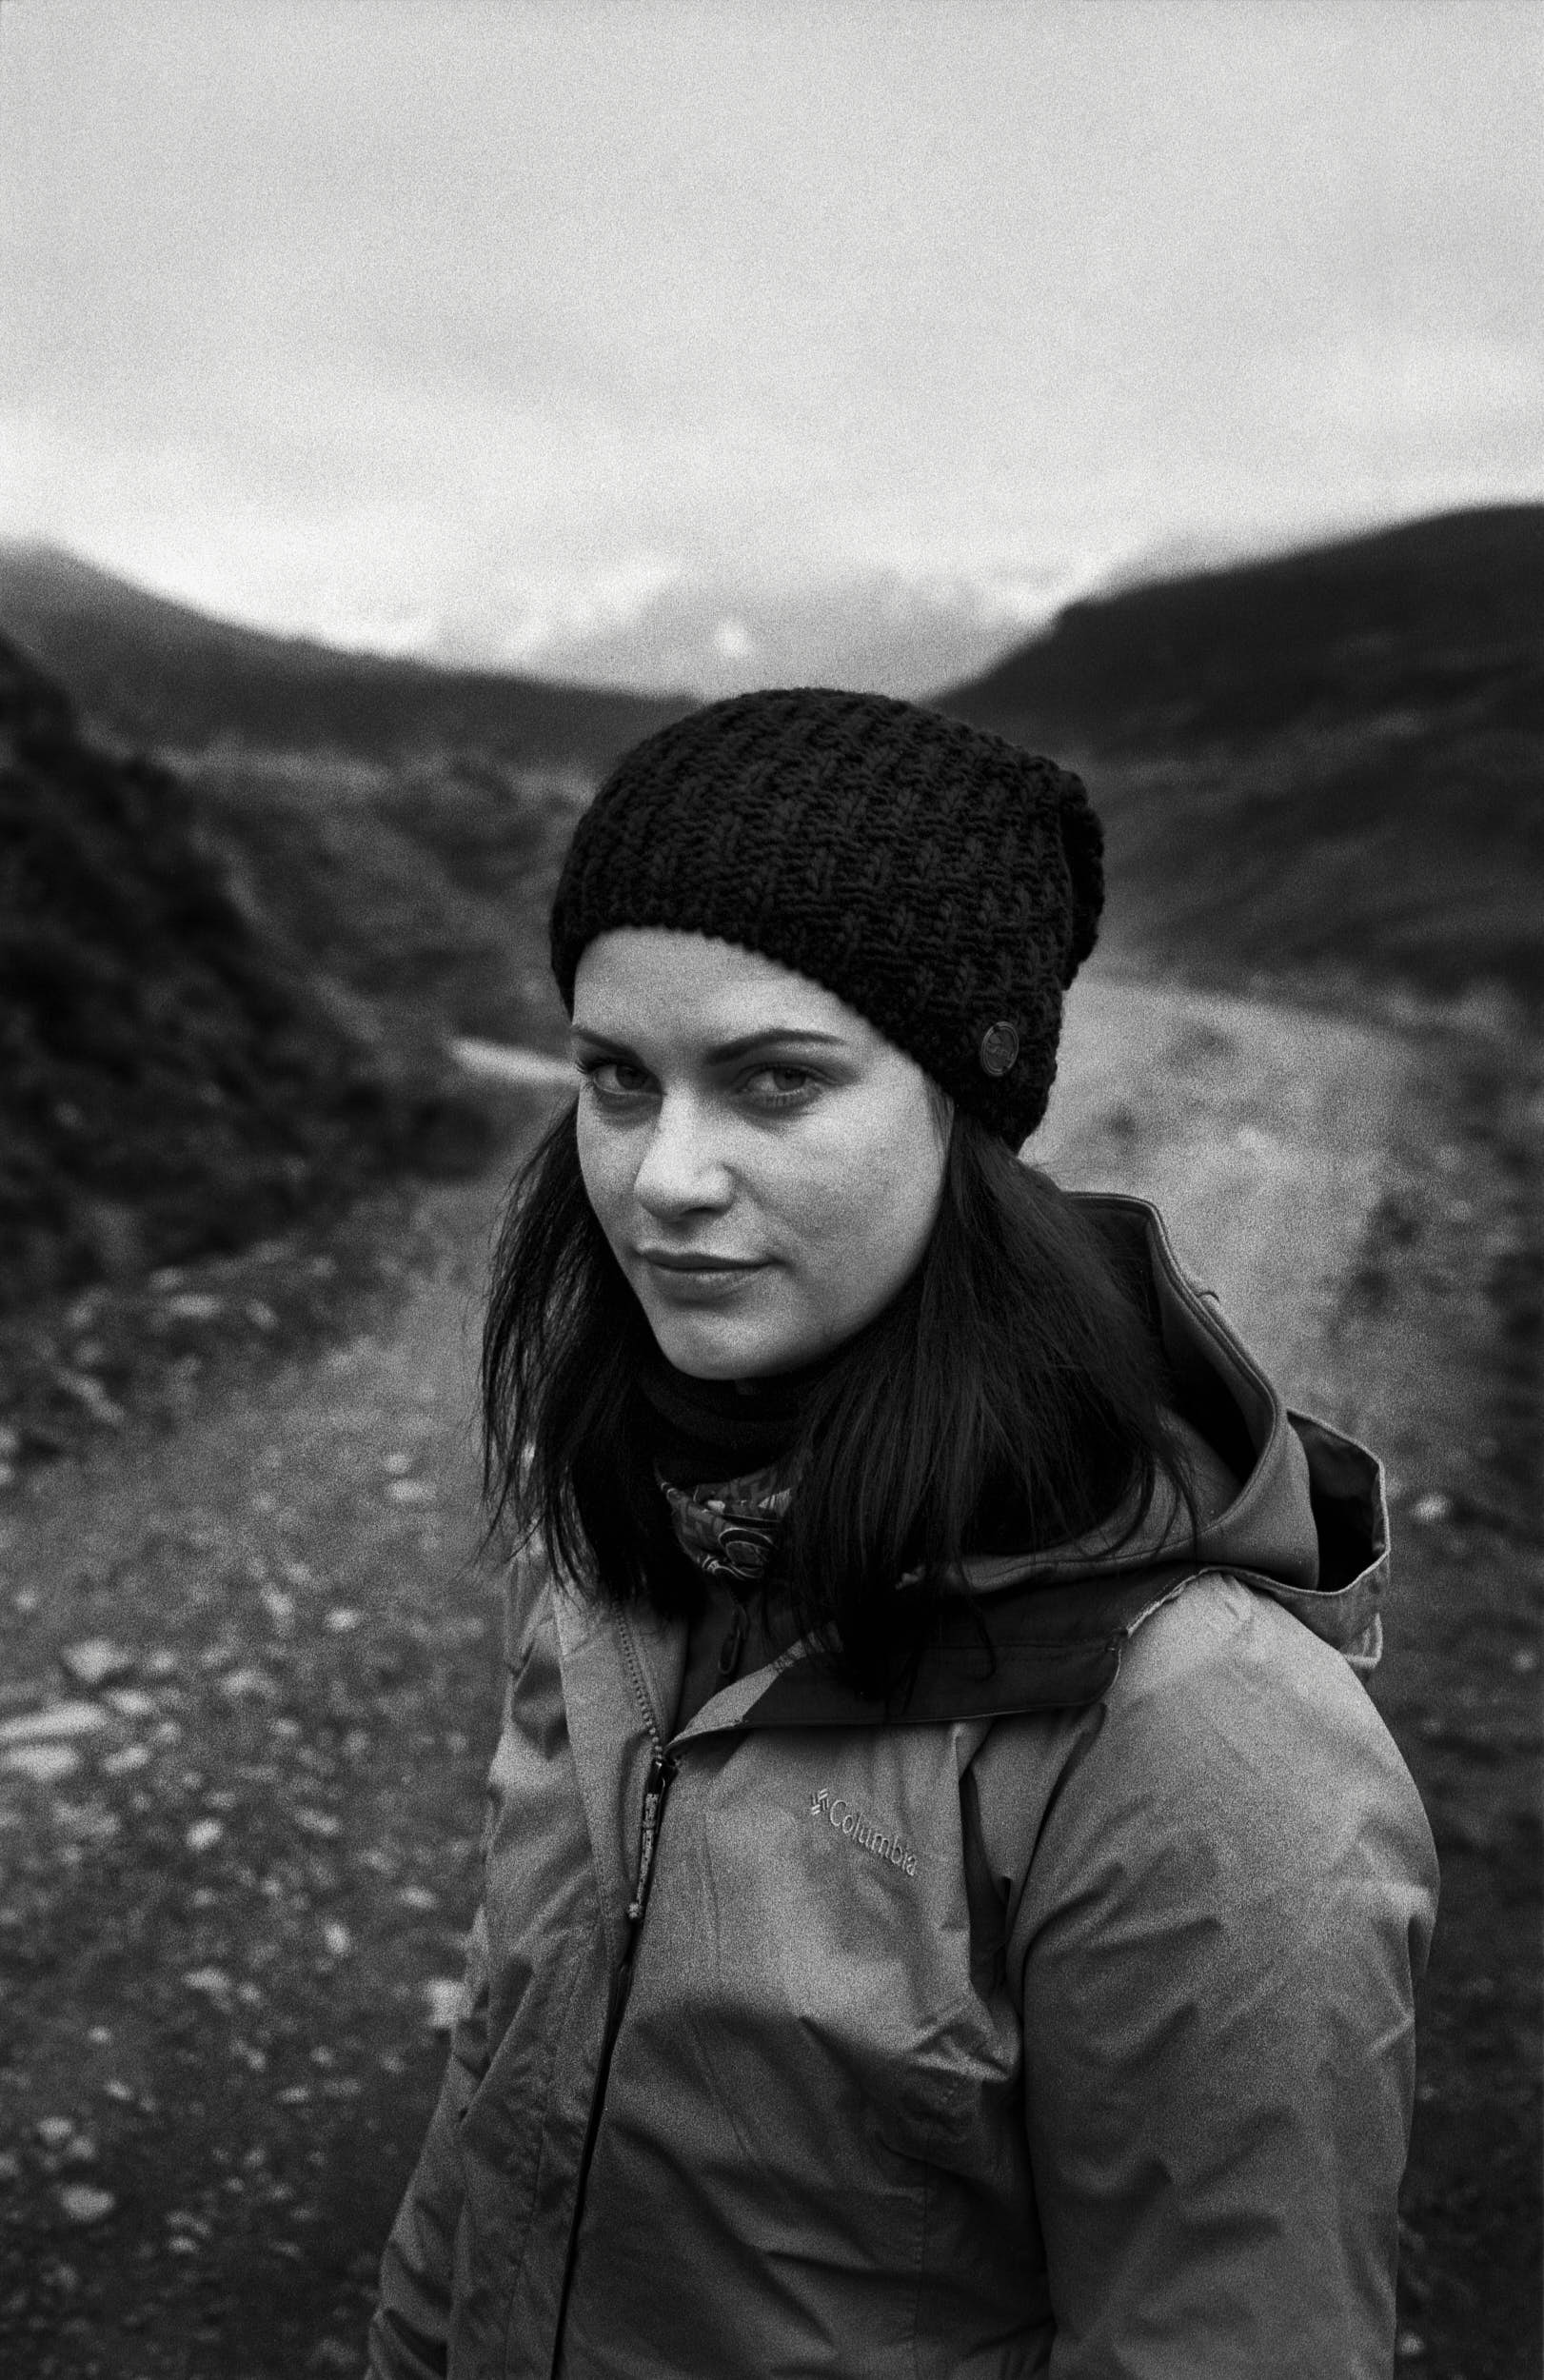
<point x="607" y="1172"/>
<point x="862" y="1216"/>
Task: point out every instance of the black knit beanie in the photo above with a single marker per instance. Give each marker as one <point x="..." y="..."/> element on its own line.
<point x="941" y="882"/>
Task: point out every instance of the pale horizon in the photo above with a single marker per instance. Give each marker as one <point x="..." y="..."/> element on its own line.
<point x="681" y="345"/>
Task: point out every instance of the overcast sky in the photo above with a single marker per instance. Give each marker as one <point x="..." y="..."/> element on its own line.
<point x="532" y="330"/>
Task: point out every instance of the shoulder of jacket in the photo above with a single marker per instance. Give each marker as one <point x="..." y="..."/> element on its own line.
<point x="1221" y="1635"/>
<point x="1226" y="1704"/>
<point x="1228" y="1728"/>
<point x="527" y="1601"/>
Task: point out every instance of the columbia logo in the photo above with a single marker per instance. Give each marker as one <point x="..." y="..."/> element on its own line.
<point x="863" y="1831"/>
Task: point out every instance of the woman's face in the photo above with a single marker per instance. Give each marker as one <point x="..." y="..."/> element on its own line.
<point x="764" y="1165"/>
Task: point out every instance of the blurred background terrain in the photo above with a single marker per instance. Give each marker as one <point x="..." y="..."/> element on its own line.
<point x="1318" y="772"/>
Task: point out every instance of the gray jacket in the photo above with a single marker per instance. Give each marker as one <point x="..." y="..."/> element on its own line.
<point x="1063" y="2027"/>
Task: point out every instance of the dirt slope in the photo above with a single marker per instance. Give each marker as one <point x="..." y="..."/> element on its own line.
<point x="223" y="1913"/>
<point x="171" y="1079"/>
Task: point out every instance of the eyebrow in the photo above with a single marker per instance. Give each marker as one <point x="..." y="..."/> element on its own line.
<point x="727" y="1051"/>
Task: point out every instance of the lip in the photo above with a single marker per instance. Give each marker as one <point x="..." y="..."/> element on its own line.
<point x="670" y="1261"/>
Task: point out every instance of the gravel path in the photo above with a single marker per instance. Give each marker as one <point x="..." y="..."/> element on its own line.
<point x="1261" y="1133"/>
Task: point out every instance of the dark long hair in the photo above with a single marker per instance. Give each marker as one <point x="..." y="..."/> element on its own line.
<point x="1013" y="1376"/>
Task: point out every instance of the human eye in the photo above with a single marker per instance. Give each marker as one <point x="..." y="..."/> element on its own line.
<point x="775" y="1088"/>
<point x="614" y="1081"/>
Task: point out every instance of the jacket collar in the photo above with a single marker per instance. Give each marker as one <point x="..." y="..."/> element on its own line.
<point x="1289" y="1505"/>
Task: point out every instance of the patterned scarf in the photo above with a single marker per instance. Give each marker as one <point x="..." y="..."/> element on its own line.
<point x="730" y="1528"/>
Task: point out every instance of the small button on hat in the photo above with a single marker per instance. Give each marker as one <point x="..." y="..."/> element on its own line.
<point x="999" y="1047"/>
<point x="938" y="879"/>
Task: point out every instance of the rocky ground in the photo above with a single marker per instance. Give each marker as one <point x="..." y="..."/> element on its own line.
<point x="249" y="1685"/>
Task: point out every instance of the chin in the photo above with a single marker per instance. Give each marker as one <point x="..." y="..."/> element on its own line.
<point x="708" y="1354"/>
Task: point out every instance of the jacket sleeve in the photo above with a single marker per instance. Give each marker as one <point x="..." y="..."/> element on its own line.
<point x="410" y="2333"/>
<point x="1215" y="1947"/>
<point x="411" y="2327"/>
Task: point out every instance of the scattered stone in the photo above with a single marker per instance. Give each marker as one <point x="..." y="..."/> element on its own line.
<point x="444" y="1997"/>
<point x="87" y="1821"/>
<point x="243" y="1683"/>
<point x="418" y="1896"/>
<point x="10" y="2167"/>
<point x="195" y="1305"/>
<point x="79" y="2202"/>
<point x="1426" y="1512"/>
<point x="320" y="1823"/>
<point x="42" y="1764"/>
<point x="204" y="1834"/>
<point x="397" y="1465"/>
<point x="132" y="1702"/>
<point x="212" y="1983"/>
<point x="54" y="2133"/>
<point x="336" y="1938"/>
<point x="411" y="1492"/>
<point x="88" y="1392"/>
<point x="342" y="1621"/>
<point x="162" y="1664"/>
<point x="61" y="1722"/>
<point x="96" y="1661"/>
<point x="126" y="1760"/>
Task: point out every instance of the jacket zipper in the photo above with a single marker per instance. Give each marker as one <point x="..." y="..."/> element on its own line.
<point x="661" y="1769"/>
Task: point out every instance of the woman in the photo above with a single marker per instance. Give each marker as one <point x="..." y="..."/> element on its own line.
<point x="949" y="1904"/>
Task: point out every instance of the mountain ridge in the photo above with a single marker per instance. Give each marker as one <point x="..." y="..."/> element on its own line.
<point x="1324" y="769"/>
<point x="147" y="670"/>
<point x="1436" y="609"/>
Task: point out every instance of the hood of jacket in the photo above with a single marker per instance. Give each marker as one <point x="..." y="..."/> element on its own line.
<point x="1292" y="1507"/>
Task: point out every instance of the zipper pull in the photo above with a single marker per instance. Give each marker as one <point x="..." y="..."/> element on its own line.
<point x="661" y="1770"/>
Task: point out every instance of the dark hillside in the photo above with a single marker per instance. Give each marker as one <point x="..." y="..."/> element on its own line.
<point x="167" y="1082"/>
<point x="150" y="672"/>
<point x="423" y="889"/>
<point x="1429" y="617"/>
<point x="1323" y="768"/>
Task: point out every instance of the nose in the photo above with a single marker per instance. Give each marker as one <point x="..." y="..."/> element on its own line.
<point x="682" y="1171"/>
